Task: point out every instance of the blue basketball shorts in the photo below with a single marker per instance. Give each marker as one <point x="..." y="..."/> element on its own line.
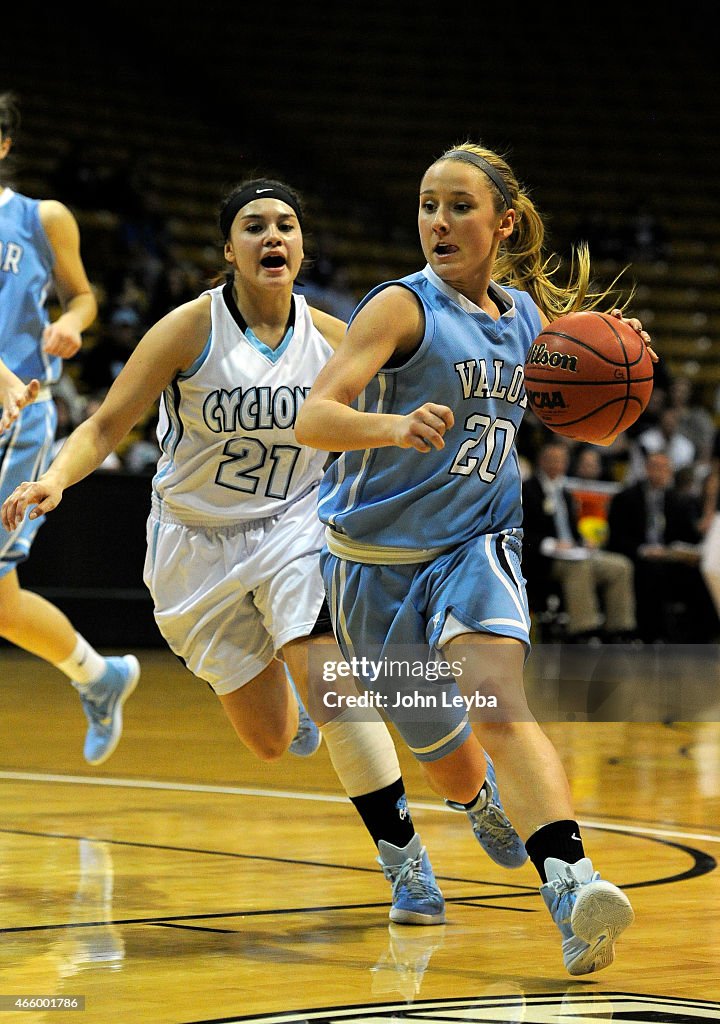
<point x="387" y="615"/>
<point x="25" y="451"/>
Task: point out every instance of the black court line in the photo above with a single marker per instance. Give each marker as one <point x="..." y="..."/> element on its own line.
<point x="166" y="847"/>
<point x="196" y="928"/>
<point x="702" y="864"/>
<point x="162" y="919"/>
<point x="479" y="901"/>
<point x="167" y="919"/>
<point x="626" y="1006"/>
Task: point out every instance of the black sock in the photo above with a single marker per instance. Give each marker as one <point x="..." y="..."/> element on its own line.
<point x="386" y="815"/>
<point x="559" y="839"/>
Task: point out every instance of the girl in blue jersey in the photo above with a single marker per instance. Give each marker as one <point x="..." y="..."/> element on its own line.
<point x="40" y="247"/>
<point x="423" y="547"/>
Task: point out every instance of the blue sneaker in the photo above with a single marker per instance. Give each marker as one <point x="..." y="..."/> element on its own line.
<point x="308" y="737"/>
<point x="492" y="827"/>
<point x="589" y="912"/>
<point x="416" y="898"/>
<point x="102" y="703"/>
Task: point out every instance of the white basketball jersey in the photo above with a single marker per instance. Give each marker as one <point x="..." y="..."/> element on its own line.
<point x="227" y="425"/>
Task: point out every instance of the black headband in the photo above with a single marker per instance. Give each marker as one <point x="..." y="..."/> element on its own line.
<point x="260" y="189"/>
<point x="493" y="174"/>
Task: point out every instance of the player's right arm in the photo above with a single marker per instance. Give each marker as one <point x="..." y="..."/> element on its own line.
<point x="168" y="348"/>
<point x="391" y="324"/>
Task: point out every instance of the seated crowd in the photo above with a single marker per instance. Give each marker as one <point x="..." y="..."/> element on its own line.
<point x="617" y="541"/>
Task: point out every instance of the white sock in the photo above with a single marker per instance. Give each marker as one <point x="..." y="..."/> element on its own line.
<point x="480" y="801"/>
<point x="84" y="665"/>
<point x="362" y="752"/>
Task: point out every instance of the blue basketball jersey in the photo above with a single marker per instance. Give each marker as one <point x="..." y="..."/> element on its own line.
<point x="408" y="499"/>
<point x="26" y="265"/>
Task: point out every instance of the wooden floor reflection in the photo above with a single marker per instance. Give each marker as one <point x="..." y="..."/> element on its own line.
<point x="182" y="881"/>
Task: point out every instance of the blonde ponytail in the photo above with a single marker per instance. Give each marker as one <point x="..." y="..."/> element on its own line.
<point x="522" y="261"/>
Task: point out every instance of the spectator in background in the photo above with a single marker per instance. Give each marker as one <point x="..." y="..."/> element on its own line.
<point x="694" y="420"/>
<point x="666" y="437"/>
<point x="656" y="527"/>
<point x="130" y="293"/>
<point x="142" y="454"/>
<point x="591" y="492"/>
<point x="66" y="389"/>
<point x="103" y="362"/>
<point x="69" y="418"/>
<point x="710" y="526"/>
<point x="553" y="550"/>
<point x="587" y="463"/>
<point x="177" y="283"/>
<point x="659" y="400"/>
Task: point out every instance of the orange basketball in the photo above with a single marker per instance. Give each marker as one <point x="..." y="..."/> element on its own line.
<point x="588" y="376"/>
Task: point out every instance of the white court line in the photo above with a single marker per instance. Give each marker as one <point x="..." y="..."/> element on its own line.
<point x="328" y="798"/>
<point x="183" y="787"/>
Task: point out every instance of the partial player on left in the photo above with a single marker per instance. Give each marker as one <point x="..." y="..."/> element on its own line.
<point x="40" y="245"/>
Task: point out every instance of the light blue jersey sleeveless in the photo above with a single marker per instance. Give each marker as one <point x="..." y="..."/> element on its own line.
<point x="423" y="548"/>
<point x="407" y="499"/>
<point x="26" y="266"/>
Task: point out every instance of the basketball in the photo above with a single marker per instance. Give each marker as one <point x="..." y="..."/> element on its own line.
<point x="588" y="376"/>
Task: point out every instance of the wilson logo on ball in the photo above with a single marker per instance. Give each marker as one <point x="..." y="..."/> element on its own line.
<point x="539" y="355"/>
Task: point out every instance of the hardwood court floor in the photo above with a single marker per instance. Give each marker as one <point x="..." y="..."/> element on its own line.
<point x="183" y="881"/>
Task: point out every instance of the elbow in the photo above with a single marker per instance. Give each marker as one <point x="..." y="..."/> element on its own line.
<point x="318" y="425"/>
<point x="304" y="432"/>
<point x="302" y="435"/>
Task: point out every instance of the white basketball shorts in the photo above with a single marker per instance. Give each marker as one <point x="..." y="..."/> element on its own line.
<point x="228" y="598"/>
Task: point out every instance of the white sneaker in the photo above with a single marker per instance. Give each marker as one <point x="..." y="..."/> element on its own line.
<point x="589" y="912"/>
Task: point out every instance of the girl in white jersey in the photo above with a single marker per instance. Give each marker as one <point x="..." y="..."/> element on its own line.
<point x="233" y="537"/>
<point x="423" y="549"/>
